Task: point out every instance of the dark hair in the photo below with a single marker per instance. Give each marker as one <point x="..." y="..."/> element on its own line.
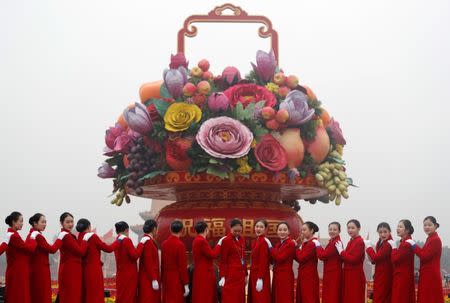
<point x="235" y="222"/>
<point x="121" y="227"/>
<point x="263" y="221"/>
<point x="354" y="221"/>
<point x="200" y="227"/>
<point x="35" y="219"/>
<point x="176" y="226"/>
<point x="285" y="223"/>
<point x="13" y="217"/>
<point x="64" y="216"/>
<point x="384" y="225"/>
<point x="82" y="225"/>
<point x="335" y="223"/>
<point x="312" y="226"/>
<point x="432" y="220"/>
<point x="149" y="226"/>
<point x="408" y="226"/>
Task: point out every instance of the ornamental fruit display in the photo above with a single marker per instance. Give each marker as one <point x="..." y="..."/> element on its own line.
<point x="223" y="125"/>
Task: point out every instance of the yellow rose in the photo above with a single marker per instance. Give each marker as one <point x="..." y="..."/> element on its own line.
<point x="179" y="116"/>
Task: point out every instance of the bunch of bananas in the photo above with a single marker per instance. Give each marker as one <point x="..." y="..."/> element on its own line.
<point x="332" y="176"/>
<point x="120" y="196"/>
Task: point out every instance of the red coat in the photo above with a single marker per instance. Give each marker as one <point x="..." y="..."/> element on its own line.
<point x="174" y="270"/>
<point x="93" y="286"/>
<point x="3" y="248"/>
<point x="127" y="272"/>
<point x="403" y="287"/>
<point x="332" y="272"/>
<point x="354" y="280"/>
<point x="149" y="271"/>
<point x="204" y="284"/>
<point x="308" y="276"/>
<point x="283" y="275"/>
<point x="259" y="269"/>
<point x="430" y="279"/>
<point x="17" y="277"/>
<point x="233" y="268"/>
<point x="70" y="270"/>
<point x="40" y="277"/>
<point x="382" y="285"/>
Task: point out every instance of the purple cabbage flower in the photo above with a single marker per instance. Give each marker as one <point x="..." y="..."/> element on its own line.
<point x="174" y="80"/>
<point x="106" y="171"/>
<point x="296" y="103"/>
<point x="138" y="118"/>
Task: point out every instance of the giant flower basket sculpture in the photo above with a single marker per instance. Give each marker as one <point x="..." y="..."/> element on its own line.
<point x="226" y="145"/>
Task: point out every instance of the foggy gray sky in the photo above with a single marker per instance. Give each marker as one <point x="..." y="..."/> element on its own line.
<point x="382" y="69"/>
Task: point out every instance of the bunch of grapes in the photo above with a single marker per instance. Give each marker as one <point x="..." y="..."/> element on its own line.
<point x="332" y="176"/>
<point x="142" y="161"/>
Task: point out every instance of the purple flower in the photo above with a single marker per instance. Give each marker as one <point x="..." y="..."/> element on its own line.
<point x="178" y="60"/>
<point x="174" y="80"/>
<point x="265" y="65"/>
<point x="231" y="75"/>
<point x="296" y="103"/>
<point x="224" y="137"/>
<point x="336" y="132"/>
<point x="138" y="118"/>
<point x="218" y="102"/>
<point x="106" y="171"/>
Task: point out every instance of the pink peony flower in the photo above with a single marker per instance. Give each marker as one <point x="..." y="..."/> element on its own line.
<point x="249" y="93"/>
<point x="336" y="132"/>
<point x="231" y="75"/>
<point x="224" y="137"/>
<point x="296" y="104"/>
<point x="218" y="102"/>
<point x="117" y="140"/>
<point x="270" y="154"/>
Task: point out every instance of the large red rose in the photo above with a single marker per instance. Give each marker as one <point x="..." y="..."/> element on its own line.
<point x="249" y="93"/>
<point x="270" y="154"/>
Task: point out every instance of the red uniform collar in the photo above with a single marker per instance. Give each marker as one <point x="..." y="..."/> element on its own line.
<point x="10" y="230"/>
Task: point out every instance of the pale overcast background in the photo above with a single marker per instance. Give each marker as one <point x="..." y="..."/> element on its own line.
<point x="382" y="69"/>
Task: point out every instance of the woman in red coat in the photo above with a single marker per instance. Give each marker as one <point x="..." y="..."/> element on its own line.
<point x="430" y="279"/>
<point x="126" y="263"/>
<point x="204" y="284"/>
<point x="332" y="265"/>
<point x="283" y="276"/>
<point x="17" y="276"/>
<point x="70" y="270"/>
<point x="149" y="280"/>
<point x="40" y="277"/>
<point x="354" y="280"/>
<point x="259" y="282"/>
<point x="174" y="266"/>
<point x="93" y="284"/>
<point x="232" y="266"/>
<point x="381" y="257"/>
<point x="306" y="256"/>
<point x="403" y="288"/>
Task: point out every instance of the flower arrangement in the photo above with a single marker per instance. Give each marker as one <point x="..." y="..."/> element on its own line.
<point x="224" y="125"/>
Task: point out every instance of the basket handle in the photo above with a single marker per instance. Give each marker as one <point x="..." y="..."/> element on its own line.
<point x="238" y="16"/>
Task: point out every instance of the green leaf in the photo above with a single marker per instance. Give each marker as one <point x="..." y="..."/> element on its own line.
<point x="153" y="174"/>
<point x="164" y="92"/>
